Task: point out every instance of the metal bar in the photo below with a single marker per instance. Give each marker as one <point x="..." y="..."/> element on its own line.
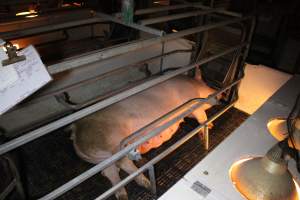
<point x="89" y="173"/>
<point x="106" y="102"/>
<point x="76" y="62"/>
<point x="222" y="11"/>
<point x="42" y="29"/>
<point x="151" y="171"/>
<point x="11" y="186"/>
<point x="132" y="25"/>
<point x="112" y="190"/>
<point x="177" y="16"/>
<point x="206" y="137"/>
<point x="161" y="9"/>
<point x="249" y="39"/>
<point x="112" y="69"/>
<point x="162" y="58"/>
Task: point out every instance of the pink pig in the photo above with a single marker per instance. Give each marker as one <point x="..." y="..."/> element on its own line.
<point x="98" y="136"/>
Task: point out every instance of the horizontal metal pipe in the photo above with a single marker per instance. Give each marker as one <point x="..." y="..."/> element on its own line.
<point x="132" y="25"/>
<point x="132" y="46"/>
<point x="159" y="157"/>
<point x="181" y="6"/>
<point x="48" y="28"/>
<point x="222" y="11"/>
<point x="8" y="146"/>
<point x="177" y="16"/>
<point x="161" y="9"/>
<point x="112" y="69"/>
<point x="84" y="176"/>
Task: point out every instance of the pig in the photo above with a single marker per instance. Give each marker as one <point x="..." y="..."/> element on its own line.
<point x="98" y="136"/>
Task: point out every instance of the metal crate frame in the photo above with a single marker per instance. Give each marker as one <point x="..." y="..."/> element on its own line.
<point x="109" y="53"/>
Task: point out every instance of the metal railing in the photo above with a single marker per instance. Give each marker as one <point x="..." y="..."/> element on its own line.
<point x="15" y="143"/>
<point x="124" y="151"/>
<point x="127" y="144"/>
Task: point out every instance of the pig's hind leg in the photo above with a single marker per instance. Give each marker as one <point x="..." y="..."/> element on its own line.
<point x="129" y="167"/>
<point x="112" y="173"/>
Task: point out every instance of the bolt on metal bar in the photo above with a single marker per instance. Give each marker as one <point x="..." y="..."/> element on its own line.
<point x="177" y="16"/>
<point x="159" y="157"/>
<point x="95" y="56"/>
<point x="117" y="156"/>
<point x="15" y="143"/>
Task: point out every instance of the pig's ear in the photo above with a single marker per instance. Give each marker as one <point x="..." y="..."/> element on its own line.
<point x="198" y="74"/>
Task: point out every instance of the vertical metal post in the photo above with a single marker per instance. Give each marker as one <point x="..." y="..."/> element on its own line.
<point x="212" y="3"/>
<point x="152" y="180"/>
<point x="162" y="57"/>
<point x="206" y="137"/>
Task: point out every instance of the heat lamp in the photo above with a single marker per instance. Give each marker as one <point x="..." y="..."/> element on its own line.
<point x="265" y="178"/>
<point x="268" y="177"/>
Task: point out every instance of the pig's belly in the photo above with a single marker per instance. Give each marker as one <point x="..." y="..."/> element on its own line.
<point x="143" y="115"/>
<point x="149" y="106"/>
<point x="159" y="139"/>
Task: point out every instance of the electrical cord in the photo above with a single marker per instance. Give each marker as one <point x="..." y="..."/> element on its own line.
<point x="295" y="113"/>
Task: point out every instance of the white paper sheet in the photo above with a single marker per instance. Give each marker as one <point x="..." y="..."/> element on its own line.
<point x="32" y="75"/>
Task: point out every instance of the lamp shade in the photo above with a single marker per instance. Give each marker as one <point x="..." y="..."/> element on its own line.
<point x="264" y="178"/>
<point x="277" y="127"/>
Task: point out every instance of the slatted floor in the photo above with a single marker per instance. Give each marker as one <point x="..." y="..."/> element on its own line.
<point x="51" y="161"/>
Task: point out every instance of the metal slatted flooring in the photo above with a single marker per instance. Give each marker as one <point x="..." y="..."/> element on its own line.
<point x="51" y="161"/>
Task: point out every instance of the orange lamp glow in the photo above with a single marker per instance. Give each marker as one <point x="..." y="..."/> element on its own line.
<point x="265" y="178"/>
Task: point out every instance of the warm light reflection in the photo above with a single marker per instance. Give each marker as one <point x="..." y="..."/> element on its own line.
<point x="174" y="31"/>
<point x="278" y="128"/>
<point x="66" y="5"/>
<point x="77" y="4"/>
<point x="237" y="163"/>
<point x="297" y="188"/>
<point x="15" y="45"/>
<point x="26" y="13"/>
<point x="163" y="2"/>
<point x="31" y="16"/>
<point x="70" y="5"/>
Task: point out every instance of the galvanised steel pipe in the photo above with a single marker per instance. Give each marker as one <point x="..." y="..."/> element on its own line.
<point x="96" y="56"/>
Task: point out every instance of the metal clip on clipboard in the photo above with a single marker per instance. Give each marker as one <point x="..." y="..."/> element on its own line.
<point x="11" y="52"/>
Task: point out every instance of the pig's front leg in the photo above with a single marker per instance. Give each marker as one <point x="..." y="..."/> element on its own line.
<point x="129" y="167"/>
<point x="112" y="173"/>
<point x="201" y="117"/>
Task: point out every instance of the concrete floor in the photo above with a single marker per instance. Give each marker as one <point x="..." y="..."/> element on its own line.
<point x="259" y="84"/>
